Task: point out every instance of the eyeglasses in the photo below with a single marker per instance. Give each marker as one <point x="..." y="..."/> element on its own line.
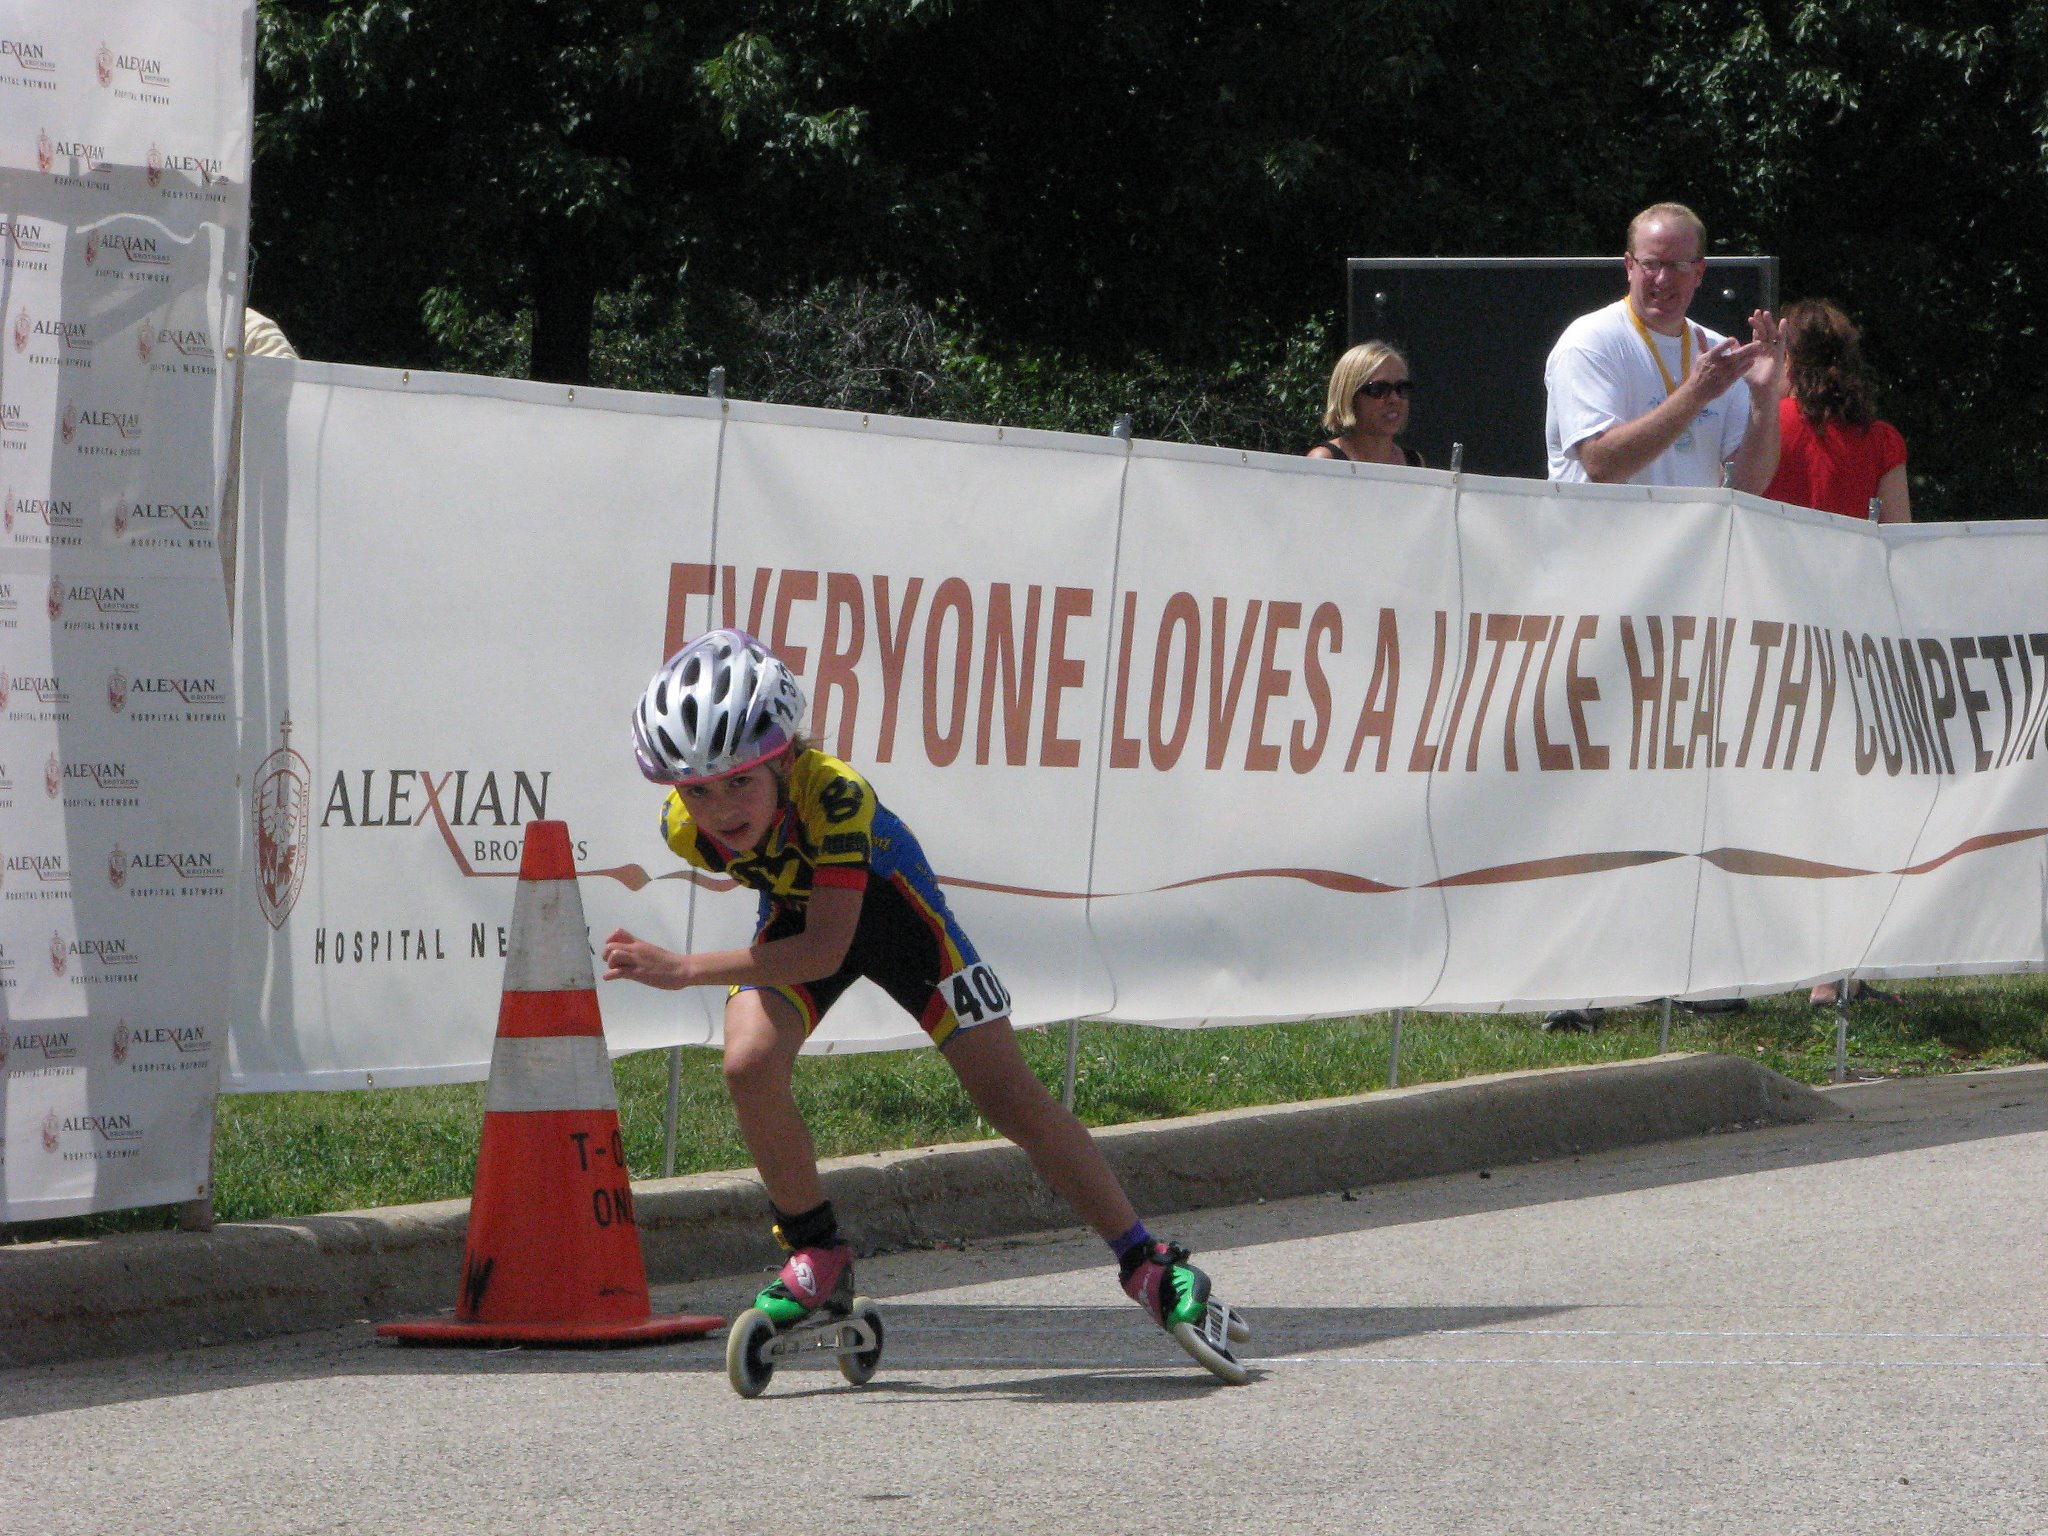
<point x="1656" y="269"/>
<point x="1379" y="389"/>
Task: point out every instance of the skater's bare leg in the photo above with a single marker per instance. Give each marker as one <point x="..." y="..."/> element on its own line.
<point x="762" y="1037"/>
<point x="992" y="1068"/>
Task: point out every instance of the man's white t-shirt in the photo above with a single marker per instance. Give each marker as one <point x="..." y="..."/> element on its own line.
<point x="1600" y="375"/>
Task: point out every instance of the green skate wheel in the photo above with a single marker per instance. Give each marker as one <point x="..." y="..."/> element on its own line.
<point x="746" y="1352"/>
<point x="859" y="1366"/>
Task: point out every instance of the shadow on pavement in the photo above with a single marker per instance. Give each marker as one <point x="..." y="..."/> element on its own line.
<point x="1080" y="1354"/>
<point x="1090" y="1353"/>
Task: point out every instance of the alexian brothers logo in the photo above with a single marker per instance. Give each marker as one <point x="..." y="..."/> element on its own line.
<point x="46" y="689"/>
<point x="138" y="255"/>
<point x="53" y="775"/>
<point x="56" y="599"/>
<point x="48" y="1046"/>
<point x="282" y="808"/>
<point x="147" y="71"/>
<point x="70" y="344"/>
<point x="188" y="340"/>
<point x="103" y="65"/>
<point x="29" y="58"/>
<point x="104" y="424"/>
<point x="56" y="515"/>
<point x="117" y="690"/>
<point x="22" y="237"/>
<point x="101" y="782"/>
<point x="159" y="871"/>
<point x="88" y="159"/>
<point x="159" y="696"/>
<point x="203" y="171"/>
<point x="164" y="520"/>
<point x="95" y="602"/>
<point x="47" y="870"/>
<point x="120" y="1042"/>
<point x="52" y="1132"/>
<point x="109" y="1129"/>
<point x="97" y="960"/>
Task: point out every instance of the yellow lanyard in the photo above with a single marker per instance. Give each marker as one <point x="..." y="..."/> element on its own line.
<point x="1684" y="349"/>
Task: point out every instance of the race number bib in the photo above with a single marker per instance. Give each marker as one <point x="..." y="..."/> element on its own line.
<point x="974" y="995"/>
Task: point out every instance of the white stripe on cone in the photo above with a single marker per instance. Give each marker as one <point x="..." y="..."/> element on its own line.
<point x="550" y="1072"/>
<point x="550" y="951"/>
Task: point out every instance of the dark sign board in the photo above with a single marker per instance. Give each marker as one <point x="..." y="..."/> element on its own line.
<point x="1476" y="330"/>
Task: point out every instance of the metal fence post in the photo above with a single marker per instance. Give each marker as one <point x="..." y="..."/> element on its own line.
<point x="1121" y="431"/>
<point x="1394" y="1049"/>
<point x="668" y="1123"/>
<point x="1842" y="1030"/>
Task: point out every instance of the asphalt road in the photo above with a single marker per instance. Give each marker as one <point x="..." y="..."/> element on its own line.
<point x="1839" y="1326"/>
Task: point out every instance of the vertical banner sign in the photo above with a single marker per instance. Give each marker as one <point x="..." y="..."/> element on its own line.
<point x="1190" y="736"/>
<point x="124" y="205"/>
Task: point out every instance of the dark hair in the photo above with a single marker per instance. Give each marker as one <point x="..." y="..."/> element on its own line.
<point x="1823" y="348"/>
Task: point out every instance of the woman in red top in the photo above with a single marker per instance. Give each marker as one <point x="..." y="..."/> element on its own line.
<point x="1836" y="454"/>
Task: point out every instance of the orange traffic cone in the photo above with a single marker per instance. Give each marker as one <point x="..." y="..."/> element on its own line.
<point x="553" y="1255"/>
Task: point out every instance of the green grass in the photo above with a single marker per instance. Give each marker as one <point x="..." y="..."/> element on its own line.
<point x="295" y="1154"/>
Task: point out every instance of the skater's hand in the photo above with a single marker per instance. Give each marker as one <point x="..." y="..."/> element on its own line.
<point x="629" y="959"/>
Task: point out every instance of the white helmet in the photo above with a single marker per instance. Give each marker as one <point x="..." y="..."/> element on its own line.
<point x="721" y="704"/>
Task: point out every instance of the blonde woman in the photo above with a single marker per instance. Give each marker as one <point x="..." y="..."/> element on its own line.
<point x="1368" y="407"/>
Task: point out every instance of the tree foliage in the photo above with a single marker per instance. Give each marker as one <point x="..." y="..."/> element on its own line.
<point x="1894" y="154"/>
<point x="1055" y="211"/>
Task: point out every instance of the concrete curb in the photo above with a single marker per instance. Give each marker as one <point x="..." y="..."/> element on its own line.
<point x="168" y="1290"/>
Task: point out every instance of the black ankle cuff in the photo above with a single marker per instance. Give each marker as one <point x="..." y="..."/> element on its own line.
<point x="815" y="1228"/>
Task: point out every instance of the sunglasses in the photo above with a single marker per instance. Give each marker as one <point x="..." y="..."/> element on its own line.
<point x="1379" y="389"/>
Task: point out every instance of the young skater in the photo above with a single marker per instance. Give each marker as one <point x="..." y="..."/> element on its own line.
<point x="846" y="892"/>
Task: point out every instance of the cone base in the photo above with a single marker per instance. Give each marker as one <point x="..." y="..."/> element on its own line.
<point x="652" y="1330"/>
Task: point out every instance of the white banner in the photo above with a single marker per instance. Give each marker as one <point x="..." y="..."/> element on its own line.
<point x="1191" y="735"/>
<point x="124" y="175"/>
